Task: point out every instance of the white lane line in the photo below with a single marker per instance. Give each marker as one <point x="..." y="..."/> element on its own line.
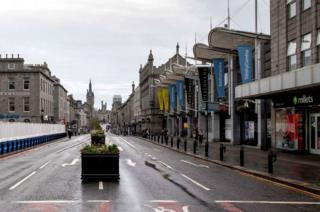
<point x="163" y="201"/>
<point x="120" y="149"/>
<point x="70" y="164"/>
<point x="166" y="165"/>
<point x="195" y="182"/>
<point x="130" y="162"/>
<point x="128" y="143"/>
<point x="21" y="181"/>
<point x="46" y="201"/>
<point x="98" y="201"/>
<point x="267" y="202"/>
<point x="100" y="185"/>
<point x="196" y="165"/>
<point x="44" y="165"/>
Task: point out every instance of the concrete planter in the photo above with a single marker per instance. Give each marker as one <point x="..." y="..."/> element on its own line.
<point x="100" y="166"/>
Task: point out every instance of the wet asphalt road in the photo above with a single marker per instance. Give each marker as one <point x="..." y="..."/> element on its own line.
<point x="152" y="178"/>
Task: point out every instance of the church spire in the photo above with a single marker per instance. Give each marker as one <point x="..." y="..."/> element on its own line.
<point x="90" y="86"/>
<point x="177" y="48"/>
<point x="150" y="58"/>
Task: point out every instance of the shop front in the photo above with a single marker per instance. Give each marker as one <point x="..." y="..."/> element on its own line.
<point x="297" y="122"/>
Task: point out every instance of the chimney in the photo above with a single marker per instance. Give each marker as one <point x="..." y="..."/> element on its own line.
<point x="18" y="56"/>
<point x="6" y="56"/>
<point x="11" y="55"/>
<point x="133" y="86"/>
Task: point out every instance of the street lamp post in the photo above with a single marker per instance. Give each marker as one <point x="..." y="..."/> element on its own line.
<point x="207" y="126"/>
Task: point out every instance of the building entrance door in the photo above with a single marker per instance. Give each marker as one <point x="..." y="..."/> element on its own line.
<point x="315" y="133"/>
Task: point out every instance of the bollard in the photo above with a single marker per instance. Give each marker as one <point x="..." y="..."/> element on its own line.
<point x="171" y="141"/>
<point x="158" y="138"/>
<point x="161" y="139"/>
<point x="222" y="150"/>
<point x="241" y="156"/>
<point x="185" y="144"/>
<point x="178" y="143"/>
<point x="272" y="157"/>
<point x="195" y="146"/>
<point x="206" y="149"/>
<point x="200" y="138"/>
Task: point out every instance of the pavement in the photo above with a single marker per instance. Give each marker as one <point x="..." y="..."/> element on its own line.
<point x="298" y="170"/>
<point x="153" y="178"/>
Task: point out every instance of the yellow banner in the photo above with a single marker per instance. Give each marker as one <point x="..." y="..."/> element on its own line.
<point x="165" y="93"/>
<point x="160" y="98"/>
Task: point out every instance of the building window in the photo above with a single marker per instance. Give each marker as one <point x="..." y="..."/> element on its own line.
<point x="306" y="49"/>
<point x="318" y="38"/>
<point x="292" y="10"/>
<point x="306" y="4"/>
<point x="11" y="104"/>
<point x="292" y="57"/>
<point x="11" y="66"/>
<point x="26" y="83"/>
<point x="12" y="84"/>
<point x="26" y="104"/>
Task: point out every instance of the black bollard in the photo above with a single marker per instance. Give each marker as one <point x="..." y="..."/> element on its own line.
<point x="178" y="143"/>
<point x="195" y="146"/>
<point x="158" y="138"/>
<point x="222" y="150"/>
<point x="185" y="144"/>
<point x="171" y="141"/>
<point x="272" y="157"/>
<point x="241" y="156"/>
<point x="166" y="138"/>
<point x="200" y="138"/>
<point x="206" y="149"/>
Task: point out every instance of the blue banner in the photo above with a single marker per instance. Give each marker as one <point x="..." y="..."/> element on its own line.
<point x="218" y="67"/>
<point x="180" y="92"/>
<point x="245" y="60"/>
<point x="173" y="97"/>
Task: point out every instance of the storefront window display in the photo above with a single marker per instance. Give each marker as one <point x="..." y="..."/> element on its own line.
<point x="290" y="129"/>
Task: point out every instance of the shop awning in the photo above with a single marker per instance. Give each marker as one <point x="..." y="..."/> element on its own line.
<point x="229" y="39"/>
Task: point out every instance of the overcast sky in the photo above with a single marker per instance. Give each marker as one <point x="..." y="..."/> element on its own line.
<point x="107" y="40"/>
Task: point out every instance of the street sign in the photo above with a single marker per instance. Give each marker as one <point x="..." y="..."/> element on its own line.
<point x="212" y="107"/>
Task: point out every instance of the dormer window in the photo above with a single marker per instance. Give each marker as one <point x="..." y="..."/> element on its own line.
<point x="11" y="66"/>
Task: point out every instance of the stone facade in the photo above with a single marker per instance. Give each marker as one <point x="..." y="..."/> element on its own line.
<point x="27" y="89"/>
<point x="61" y="103"/>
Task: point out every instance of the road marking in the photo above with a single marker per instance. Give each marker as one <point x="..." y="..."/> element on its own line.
<point x="100" y="185"/>
<point x="267" y="202"/>
<point x="21" y="181"/>
<point x="44" y="165"/>
<point x="120" y="149"/>
<point x="195" y="182"/>
<point x="153" y="158"/>
<point x="98" y="201"/>
<point x="130" y="162"/>
<point x="165" y="201"/>
<point x="196" y="165"/>
<point x="46" y="201"/>
<point x="70" y="164"/>
<point x="128" y="143"/>
<point x="166" y="165"/>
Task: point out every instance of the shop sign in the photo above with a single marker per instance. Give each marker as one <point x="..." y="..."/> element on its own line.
<point x="219" y="76"/>
<point x="203" y="77"/>
<point x="245" y="60"/>
<point x="297" y="100"/>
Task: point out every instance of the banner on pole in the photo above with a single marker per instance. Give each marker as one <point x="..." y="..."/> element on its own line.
<point x="173" y="97"/>
<point x="190" y="92"/>
<point x="245" y="60"/>
<point x="204" y="86"/>
<point x="219" y="76"/>
<point x="180" y="92"/>
<point x="160" y="98"/>
<point x="165" y="94"/>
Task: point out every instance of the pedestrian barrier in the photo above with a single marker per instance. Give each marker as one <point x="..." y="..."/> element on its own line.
<point x="23" y="143"/>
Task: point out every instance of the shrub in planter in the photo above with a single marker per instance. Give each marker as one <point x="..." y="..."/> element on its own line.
<point x="100" y="162"/>
<point x="97" y="137"/>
